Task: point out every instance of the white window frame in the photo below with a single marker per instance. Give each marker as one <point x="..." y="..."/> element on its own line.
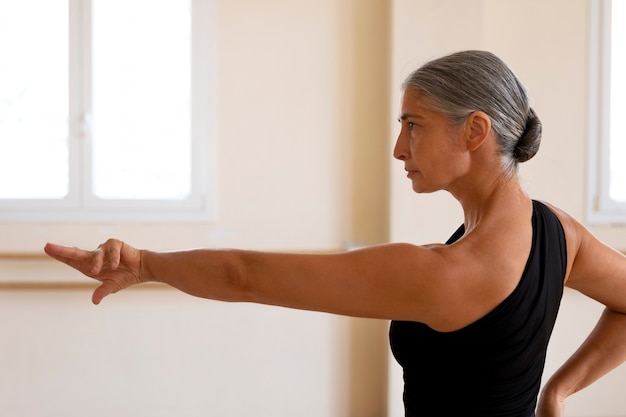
<point x="80" y="205"/>
<point x="601" y="209"/>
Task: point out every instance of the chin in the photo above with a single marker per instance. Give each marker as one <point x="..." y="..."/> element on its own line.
<point x="424" y="188"/>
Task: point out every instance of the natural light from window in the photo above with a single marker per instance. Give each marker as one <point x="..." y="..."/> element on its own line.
<point x="33" y="99"/>
<point x="141" y="99"/>
<point x="617" y="187"/>
<point x="137" y="109"/>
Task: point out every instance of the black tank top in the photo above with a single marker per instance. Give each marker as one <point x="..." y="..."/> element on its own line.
<point x="493" y="366"/>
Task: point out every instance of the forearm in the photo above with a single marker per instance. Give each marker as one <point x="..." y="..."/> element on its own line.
<point x="603" y="350"/>
<point x="214" y="274"/>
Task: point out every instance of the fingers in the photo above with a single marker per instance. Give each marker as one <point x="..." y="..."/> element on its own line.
<point x="91" y="263"/>
<point x="112" y="252"/>
<point x="114" y="264"/>
<point x="63" y="253"/>
<point x="81" y="260"/>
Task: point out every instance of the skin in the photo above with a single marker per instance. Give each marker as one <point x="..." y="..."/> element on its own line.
<point x="403" y="281"/>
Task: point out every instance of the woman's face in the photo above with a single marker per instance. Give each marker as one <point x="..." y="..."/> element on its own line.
<point x="429" y="145"/>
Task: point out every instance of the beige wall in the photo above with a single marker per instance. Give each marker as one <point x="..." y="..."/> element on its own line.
<point x="302" y="100"/>
<point x="307" y="100"/>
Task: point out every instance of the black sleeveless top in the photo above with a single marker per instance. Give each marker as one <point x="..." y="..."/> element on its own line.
<point x="493" y="366"/>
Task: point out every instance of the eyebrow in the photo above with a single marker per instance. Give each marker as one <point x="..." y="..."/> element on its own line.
<point x="405" y="116"/>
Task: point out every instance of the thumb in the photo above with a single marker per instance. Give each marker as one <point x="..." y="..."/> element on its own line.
<point x="102" y="291"/>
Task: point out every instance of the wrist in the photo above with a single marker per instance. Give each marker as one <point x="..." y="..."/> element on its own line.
<point x="145" y="272"/>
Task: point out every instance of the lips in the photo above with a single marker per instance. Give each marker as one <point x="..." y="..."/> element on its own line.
<point x="410" y="172"/>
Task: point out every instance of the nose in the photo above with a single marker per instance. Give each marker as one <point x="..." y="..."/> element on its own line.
<point x="400" y="151"/>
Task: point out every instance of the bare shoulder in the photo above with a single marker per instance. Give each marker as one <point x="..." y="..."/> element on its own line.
<point x="398" y="281"/>
<point x="594" y="268"/>
<point x="574" y="234"/>
<point x="444" y="286"/>
<point x="445" y="278"/>
<point x="455" y="284"/>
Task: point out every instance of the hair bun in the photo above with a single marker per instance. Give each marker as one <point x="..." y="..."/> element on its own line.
<point x="528" y="144"/>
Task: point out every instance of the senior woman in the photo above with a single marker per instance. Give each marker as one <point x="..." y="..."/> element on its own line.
<point x="471" y="318"/>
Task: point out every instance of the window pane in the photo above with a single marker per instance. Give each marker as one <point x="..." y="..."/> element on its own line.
<point x="617" y="188"/>
<point x="34" y="99"/>
<point x="141" y="99"/>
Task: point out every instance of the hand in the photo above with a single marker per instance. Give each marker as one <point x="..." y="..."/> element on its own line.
<point x="550" y="405"/>
<point x="114" y="263"/>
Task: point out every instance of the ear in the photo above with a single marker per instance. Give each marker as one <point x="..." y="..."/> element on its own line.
<point x="477" y="130"/>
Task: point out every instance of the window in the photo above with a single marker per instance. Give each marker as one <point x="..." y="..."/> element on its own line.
<point x="607" y="197"/>
<point x="105" y="110"/>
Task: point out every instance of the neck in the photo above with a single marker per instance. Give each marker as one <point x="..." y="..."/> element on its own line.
<point x="499" y="194"/>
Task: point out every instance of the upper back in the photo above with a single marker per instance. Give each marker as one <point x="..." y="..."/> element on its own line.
<point x="494" y="364"/>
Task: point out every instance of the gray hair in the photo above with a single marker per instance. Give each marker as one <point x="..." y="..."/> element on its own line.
<point x="464" y="82"/>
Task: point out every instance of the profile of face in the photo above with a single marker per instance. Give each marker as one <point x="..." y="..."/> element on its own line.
<point x="430" y="146"/>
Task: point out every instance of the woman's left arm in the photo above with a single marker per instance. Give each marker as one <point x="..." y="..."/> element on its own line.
<point x="599" y="272"/>
<point x="602" y="351"/>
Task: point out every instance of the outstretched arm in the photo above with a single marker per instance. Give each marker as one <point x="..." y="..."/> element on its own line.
<point x="117" y="265"/>
<point x="386" y="281"/>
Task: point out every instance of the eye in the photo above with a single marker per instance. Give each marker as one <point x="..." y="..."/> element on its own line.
<point x="411" y="125"/>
